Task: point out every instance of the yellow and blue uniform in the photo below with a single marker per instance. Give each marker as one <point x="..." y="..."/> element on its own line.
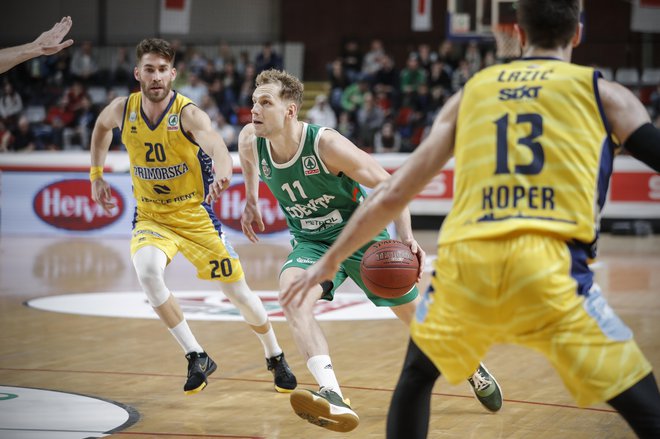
<point x="171" y="175"/>
<point x="533" y="156"/>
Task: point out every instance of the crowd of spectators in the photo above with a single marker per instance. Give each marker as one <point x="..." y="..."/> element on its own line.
<point x="381" y="104"/>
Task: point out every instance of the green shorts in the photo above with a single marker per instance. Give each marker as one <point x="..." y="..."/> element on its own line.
<point x="306" y="253"/>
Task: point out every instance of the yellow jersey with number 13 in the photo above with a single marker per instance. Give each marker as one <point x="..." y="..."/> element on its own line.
<point x="169" y="170"/>
<point x="533" y="153"/>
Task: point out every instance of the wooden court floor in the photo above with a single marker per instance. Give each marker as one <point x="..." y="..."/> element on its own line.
<point x="137" y="363"/>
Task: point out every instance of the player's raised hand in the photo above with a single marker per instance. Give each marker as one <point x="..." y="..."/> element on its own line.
<point x="50" y="42"/>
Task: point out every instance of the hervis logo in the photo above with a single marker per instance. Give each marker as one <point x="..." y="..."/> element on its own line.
<point x="310" y="165"/>
<point x="68" y="205"/>
<point x="229" y="208"/>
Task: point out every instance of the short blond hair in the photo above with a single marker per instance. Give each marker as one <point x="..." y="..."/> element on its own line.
<point x="291" y="87"/>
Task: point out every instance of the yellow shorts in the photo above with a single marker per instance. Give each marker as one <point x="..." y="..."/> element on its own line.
<point x="197" y="234"/>
<point x="524" y="290"/>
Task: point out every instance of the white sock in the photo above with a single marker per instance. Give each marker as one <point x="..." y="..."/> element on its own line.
<point x="269" y="342"/>
<point x="321" y="367"/>
<point x="185" y="337"/>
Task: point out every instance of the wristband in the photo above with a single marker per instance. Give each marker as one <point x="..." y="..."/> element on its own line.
<point x="95" y="172"/>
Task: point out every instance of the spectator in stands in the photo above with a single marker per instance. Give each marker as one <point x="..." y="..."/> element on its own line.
<point x="224" y="55"/>
<point x="460" y="75"/>
<point x="196" y="62"/>
<point x="195" y="89"/>
<point x="75" y="95"/>
<point x="59" y="68"/>
<point x="412" y="76"/>
<point x="58" y="118"/>
<point x="23" y="138"/>
<point x="425" y="57"/>
<point x="369" y="120"/>
<point x="84" y="65"/>
<point x="242" y="61"/>
<point x="224" y="98"/>
<point x="11" y="105"/>
<point x="351" y="58"/>
<point x="345" y="126"/>
<point x="268" y="59"/>
<point x="383" y="101"/>
<point x="5" y="137"/>
<point x="182" y="74"/>
<point x="231" y="79"/>
<point x="353" y="96"/>
<point x="448" y="54"/>
<point x="226" y="131"/>
<point x="121" y="68"/>
<point x="209" y="73"/>
<point x="372" y="59"/>
<point x="84" y="123"/>
<point x="338" y="83"/>
<point x="440" y="76"/>
<point x="387" y="139"/>
<point x="209" y="106"/>
<point x="387" y="77"/>
<point x="321" y="113"/>
<point x="473" y="57"/>
<point x="489" y="58"/>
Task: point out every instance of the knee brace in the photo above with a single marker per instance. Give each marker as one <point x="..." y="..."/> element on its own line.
<point x="248" y="303"/>
<point x="149" y="263"/>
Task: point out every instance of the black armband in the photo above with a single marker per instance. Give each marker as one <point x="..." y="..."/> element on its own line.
<point x="644" y="145"/>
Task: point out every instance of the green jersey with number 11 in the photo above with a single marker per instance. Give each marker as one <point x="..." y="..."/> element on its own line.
<point x="316" y="203"/>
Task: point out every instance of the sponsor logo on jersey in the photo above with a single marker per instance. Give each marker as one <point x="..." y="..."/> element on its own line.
<point x="306" y="261"/>
<point x="160" y="173"/>
<point x="265" y="168"/>
<point x="229" y="208"/>
<point x="161" y="189"/>
<point x="132" y="117"/>
<point x="323" y="222"/>
<point x="68" y="205"/>
<point x="310" y="165"/>
<point x="133" y="130"/>
<point x="173" y="122"/>
<point x="302" y="210"/>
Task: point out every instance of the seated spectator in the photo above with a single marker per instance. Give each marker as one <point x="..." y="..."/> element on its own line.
<point x="84" y="66"/>
<point x="460" y="75"/>
<point x="369" y="120"/>
<point x="448" y="54"/>
<point x="440" y="77"/>
<point x="224" y="55"/>
<point x="5" y="137"/>
<point x="224" y="98"/>
<point x="338" y="83"/>
<point x="387" y="77"/>
<point x="231" y="79"/>
<point x="351" y="58"/>
<point x="58" y="119"/>
<point x="209" y="106"/>
<point x="268" y="59"/>
<point x="75" y="95"/>
<point x="23" y="138"/>
<point x="412" y="76"/>
<point x="425" y="57"/>
<point x="473" y="57"/>
<point x="353" y="96"/>
<point x="121" y="68"/>
<point x="195" y="89"/>
<point x="321" y="113"/>
<point x="181" y="75"/>
<point x="226" y="131"/>
<point x="11" y="105"/>
<point x="84" y="123"/>
<point x="371" y="62"/>
<point x="345" y="126"/>
<point x="387" y="139"/>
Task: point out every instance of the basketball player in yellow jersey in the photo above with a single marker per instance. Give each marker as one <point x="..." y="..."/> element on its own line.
<point x="533" y="142"/>
<point x="170" y="143"/>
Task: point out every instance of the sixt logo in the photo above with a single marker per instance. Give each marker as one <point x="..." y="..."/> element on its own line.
<point x="67" y="204"/>
<point x="523" y="92"/>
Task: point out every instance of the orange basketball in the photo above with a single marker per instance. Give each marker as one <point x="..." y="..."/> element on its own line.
<point x="389" y="269"/>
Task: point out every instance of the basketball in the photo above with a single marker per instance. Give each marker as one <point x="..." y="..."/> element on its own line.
<point x="389" y="269"/>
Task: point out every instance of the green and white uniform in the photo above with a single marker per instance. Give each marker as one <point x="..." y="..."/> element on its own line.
<point x="317" y="205"/>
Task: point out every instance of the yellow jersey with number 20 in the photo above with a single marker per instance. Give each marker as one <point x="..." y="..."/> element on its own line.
<point x="168" y="168"/>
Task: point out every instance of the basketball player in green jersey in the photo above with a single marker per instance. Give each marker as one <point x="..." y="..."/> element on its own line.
<point x="316" y="175"/>
<point x="534" y="144"/>
<point x="170" y="144"/>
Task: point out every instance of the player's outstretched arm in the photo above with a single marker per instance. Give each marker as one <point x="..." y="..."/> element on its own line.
<point x="630" y="123"/>
<point x="48" y="43"/>
<point x="198" y="124"/>
<point x="109" y="118"/>
<point x="251" y="214"/>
